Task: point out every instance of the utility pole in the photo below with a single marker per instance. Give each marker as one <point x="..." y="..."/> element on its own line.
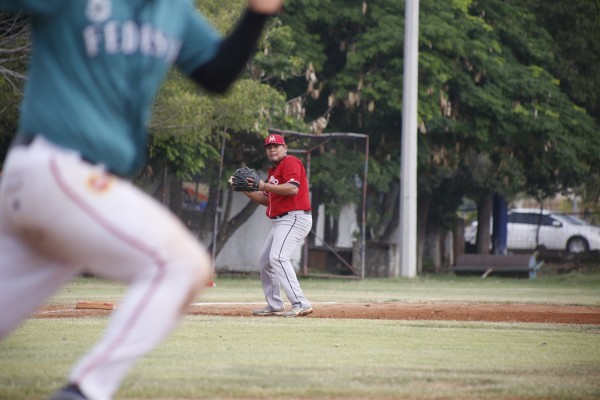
<point x="408" y="170"/>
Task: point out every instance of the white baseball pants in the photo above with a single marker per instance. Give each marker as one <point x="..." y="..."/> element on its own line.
<point x="276" y="269"/>
<point x="61" y="216"/>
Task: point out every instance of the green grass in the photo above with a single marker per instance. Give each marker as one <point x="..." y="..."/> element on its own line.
<point x="274" y="358"/>
<point x="569" y="289"/>
<point x="310" y="358"/>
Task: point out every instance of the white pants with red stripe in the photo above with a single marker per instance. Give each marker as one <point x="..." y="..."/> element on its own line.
<point x="61" y="216"/>
<point x="276" y="269"/>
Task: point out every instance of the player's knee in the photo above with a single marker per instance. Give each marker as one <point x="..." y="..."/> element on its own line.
<point x="192" y="271"/>
<point x="201" y="269"/>
<point x="264" y="264"/>
<point x="198" y="273"/>
<point x="276" y="259"/>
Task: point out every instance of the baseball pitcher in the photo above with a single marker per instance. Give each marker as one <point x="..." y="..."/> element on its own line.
<point x="286" y="197"/>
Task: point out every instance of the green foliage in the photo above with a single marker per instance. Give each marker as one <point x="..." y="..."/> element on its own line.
<point x="279" y="58"/>
<point x="180" y="127"/>
<point x="573" y="26"/>
<point x="222" y="15"/>
<point x="509" y="111"/>
<point x="10" y="99"/>
<point x="187" y="125"/>
<point x="14" y="47"/>
<point x="492" y="116"/>
<point x="507" y="91"/>
<point x="382" y="173"/>
<point x="340" y="190"/>
<point x="544" y="140"/>
<point x="516" y="26"/>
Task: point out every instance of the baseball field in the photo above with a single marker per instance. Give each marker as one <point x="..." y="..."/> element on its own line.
<point x="442" y="337"/>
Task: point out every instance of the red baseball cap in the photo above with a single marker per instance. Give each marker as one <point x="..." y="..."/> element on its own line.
<point x="274" y="139"/>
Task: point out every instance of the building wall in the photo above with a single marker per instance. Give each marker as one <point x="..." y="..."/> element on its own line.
<point x="241" y="252"/>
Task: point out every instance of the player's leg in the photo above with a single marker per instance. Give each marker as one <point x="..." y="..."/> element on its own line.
<point x="27" y="276"/>
<point x="166" y="269"/>
<point x="27" y="279"/>
<point x="289" y="232"/>
<point x="270" y="281"/>
<point x="93" y="219"/>
<point x="140" y="242"/>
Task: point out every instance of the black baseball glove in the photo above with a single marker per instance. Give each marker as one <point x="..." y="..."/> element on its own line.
<point x="240" y="183"/>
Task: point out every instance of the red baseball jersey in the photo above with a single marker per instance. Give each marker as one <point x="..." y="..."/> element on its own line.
<point x="289" y="170"/>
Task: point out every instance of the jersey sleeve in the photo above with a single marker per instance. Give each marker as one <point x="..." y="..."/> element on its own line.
<point x="292" y="171"/>
<point x="199" y="43"/>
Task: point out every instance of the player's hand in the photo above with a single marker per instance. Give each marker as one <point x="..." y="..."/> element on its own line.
<point x="256" y="182"/>
<point x="245" y="180"/>
<point x="265" y="6"/>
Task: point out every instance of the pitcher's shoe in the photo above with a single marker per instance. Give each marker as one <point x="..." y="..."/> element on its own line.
<point x="69" y="392"/>
<point x="298" y="311"/>
<point x="266" y="311"/>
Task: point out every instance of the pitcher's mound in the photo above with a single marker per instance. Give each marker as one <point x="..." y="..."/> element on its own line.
<point x="389" y="311"/>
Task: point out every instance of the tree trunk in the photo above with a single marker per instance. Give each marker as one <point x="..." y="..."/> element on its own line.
<point x="331" y="230"/>
<point x="458" y="239"/>
<point x="433" y="249"/>
<point x="175" y="198"/>
<point x="315" y="203"/>
<point x="484" y="217"/>
<point x="392" y="201"/>
<point x="422" y="215"/>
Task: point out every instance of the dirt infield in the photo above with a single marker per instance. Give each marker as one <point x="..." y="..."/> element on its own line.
<point x="387" y="311"/>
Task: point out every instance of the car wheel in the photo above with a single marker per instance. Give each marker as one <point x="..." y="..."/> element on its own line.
<point x="577" y="245"/>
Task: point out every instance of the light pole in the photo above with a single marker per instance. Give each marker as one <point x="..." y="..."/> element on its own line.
<point x="408" y="170"/>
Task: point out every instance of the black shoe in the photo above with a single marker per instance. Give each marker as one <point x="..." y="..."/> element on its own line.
<point x="69" y="392"/>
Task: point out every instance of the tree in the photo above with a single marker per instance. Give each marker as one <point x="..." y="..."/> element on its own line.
<point x="553" y="140"/>
<point x="492" y="118"/>
<point x="572" y="26"/>
<point x="328" y="32"/>
<point x="518" y="132"/>
<point x="14" y="47"/>
<point x="14" y="51"/>
<point x="189" y="126"/>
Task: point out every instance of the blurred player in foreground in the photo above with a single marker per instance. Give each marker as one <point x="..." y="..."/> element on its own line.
<point x="95" y="68"/>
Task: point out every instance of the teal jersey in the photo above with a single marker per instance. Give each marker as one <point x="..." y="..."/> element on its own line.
<point x="96" y="66"/>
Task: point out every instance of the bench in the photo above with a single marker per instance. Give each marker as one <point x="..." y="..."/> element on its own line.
<point x="495" y="263"/>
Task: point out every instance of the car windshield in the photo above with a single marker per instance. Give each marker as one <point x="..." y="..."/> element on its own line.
<point x="574" y="220"/>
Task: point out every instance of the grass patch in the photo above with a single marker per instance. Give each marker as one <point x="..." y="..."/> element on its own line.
<point x="569" y="289"/>
<point x="275" y="358"/>
<point x="311" y="358"/>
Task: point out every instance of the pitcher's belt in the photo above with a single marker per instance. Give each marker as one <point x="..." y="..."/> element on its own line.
<point x="291" y="212"/>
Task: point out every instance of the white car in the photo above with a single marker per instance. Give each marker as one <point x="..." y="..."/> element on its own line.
<point x="530" y="229"/>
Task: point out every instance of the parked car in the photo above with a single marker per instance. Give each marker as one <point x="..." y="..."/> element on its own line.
<point x="530" y="229"/>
